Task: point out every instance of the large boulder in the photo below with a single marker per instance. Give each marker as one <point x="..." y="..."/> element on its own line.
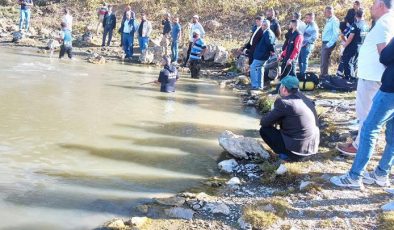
<point x="157" y="54"/>
<point x="242" y="147"/>
<point x="180" y="213"/>
<point x="221" y="55"/>
<point x="242" y="63"/>
<point x="212" y="25"/>
<point x="228" y="166"/>
<point x="210" y="53"/>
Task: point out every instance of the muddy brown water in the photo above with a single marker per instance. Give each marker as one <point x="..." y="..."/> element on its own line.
<point x="82" y="143"/>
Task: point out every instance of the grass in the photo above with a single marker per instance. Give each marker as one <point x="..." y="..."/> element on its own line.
<point x="265" y="103"/>
<point x="386" y="221"/>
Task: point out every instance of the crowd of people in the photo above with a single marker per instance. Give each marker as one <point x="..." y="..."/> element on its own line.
<point x="291" y="129"/>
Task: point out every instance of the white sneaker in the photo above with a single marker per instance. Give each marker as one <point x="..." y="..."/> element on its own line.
<point x="347" y="182"/>
<point x="371" y="178"/>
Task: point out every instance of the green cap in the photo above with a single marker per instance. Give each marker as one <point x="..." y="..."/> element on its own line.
<point x="290" y="82"/>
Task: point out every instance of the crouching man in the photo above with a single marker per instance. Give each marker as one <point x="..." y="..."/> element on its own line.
<point x="298" y="134"/>
<point x="168" y="76"/>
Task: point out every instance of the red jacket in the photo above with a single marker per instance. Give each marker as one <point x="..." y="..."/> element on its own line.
<point x="293" y="46"/>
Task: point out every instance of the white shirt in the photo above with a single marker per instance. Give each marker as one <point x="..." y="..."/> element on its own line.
<point x="254" y="34"/>
<point x="196" y="26"/>
<point x="127" y="28"/>
<point x="369" y="67"/>
<point x="301" y="26"/>
<point x="68" y="19"/>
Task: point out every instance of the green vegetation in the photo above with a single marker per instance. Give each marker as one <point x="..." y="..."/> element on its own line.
<point x="386" y="221"/>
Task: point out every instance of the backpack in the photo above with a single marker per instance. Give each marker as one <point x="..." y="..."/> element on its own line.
<point x="308" y="82"/>
<point x="338" y="84"/>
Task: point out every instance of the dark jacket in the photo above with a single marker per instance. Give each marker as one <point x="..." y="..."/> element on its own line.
<point x="387" y="59"/>
<point x="109" y="21"/>
<point x="297" y="117"/>
<point x="265" y="47"/>
<point x="168" y="76"/>
<point x="124" y="19"/>
<point x="167" y="26"/>
<point x="255" y="42"/>
<point x="293" y="45"/>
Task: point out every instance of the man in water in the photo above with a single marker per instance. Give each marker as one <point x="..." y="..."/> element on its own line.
<point x="295" y="114"/>
<point x="66" y="41"/>
<point x="25" y="14"/>
<point x="197" y="51"/>
<point x="168" y="76"/>
<point x="195" y="26"/>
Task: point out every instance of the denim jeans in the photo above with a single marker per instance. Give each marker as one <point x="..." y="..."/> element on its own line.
<point x="143" y="42"/>
<point x="303" y="58"/>
<point x="381" y="113"/>
<point x="256" y="71"/>
<point x="107" y="31"/>
<point x="174" y="51"/>
<point x="25" y="18"/>
<point x="128" y="42"/>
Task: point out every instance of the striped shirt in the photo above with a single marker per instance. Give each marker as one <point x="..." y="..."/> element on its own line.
<point x="197" y="48"/>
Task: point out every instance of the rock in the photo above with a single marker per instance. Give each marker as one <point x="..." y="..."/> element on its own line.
<point x="210" y="52"/>
<point x="196" y="204"/>
<point x="115" y="224"/>
<point x="6" y="2"/>
<point x="269" y="208"/>
<point x="388" y="207"/>
<point x="281" y="170"/>
<point x="242" y="147"/>
<point x="390" y="190"/>
<point x="242" y="79"/>
<point x="243" y="225"/>
<point x="44" y="32"/>
<point x="304" y="184"/>
<point x="17" y="36"/>
<point x="212" y="25"/>
<point x="138" y="222"/>
<point x="221" y="209"/>
<point x="95" y="58"/>
<point x="242" y="64"/>
<point x="250" y="102"/>
<point x="227" y="166"/>
<point x="53" y="44"/>
<point x="12" y="28"/>
<point x="234" y="181"/>
<point x="142" y="209"/>
<point x="180" y="213"/>
<point x="171" y="201"/>
<point x="146" y="57"/>
<point x="221" y="56"/>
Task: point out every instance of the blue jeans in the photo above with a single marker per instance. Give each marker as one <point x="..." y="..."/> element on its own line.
<point x="174" y="51"/>
<point x="382" y="112"/>
<point x="303" y="58"/>
<point x="256" y="71"/>
<point x="25" y="18"/>
<point x="143" y="42"/>
<point x="128" y="42"/>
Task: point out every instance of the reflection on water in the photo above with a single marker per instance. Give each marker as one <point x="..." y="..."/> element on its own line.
<point x="81" y="143"/>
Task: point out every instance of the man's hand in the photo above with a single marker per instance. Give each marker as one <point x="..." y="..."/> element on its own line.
<point x="289" y="62"/>
<point x="280" y="58"/>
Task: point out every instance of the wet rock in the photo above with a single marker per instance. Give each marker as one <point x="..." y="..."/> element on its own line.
<point x="234" y="181"/>
<point x="196" y="204"/>
<point x="281" y="170"/>
<point x="304" y="185"/>
<point x="171" y="201"/>
<point x="138" y="222"/>
<point x="221" y="56"/>
<point x="228" y="166"/>
<point x="242" y="147"/>
<point x="95" y="58"/>
<point x="142" y="209"/>
<point x="180" y="213"/>
<point x="242" y="64"/>
<point x="114" y="224"/>
<point x="221" y="209"/>
<point x="17" y="36"/>
<point x="212" y="25"/>
<point x="53" y="44"/>
<point x="210" y="52"/>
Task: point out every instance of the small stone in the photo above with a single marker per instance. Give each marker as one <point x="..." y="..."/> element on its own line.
<point x="139" y="221"/>
<point x="234" y="181"/>
<point x="244" y="225"/>
<point x="221" y="209"/>
<point x="281" y="170"/>
<point x="115" y="224"/>
<point x="180" y="213"/>
<point x="171" y="201"/>
<point x="304" y="184"/>
<point x="228" y="166"/>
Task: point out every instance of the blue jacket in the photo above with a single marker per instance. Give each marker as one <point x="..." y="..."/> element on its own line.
<point x="265" y="47"/>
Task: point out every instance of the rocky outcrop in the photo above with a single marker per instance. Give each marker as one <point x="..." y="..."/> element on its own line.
<point x="95" y="58"/>
<point x="212" y="25"/>
<point x="210" y="53"/>
<point x="242" y="147"/>
<point x="221" y="56"/>
<point x="171" y="201"/>
<point x="180" y="213"/>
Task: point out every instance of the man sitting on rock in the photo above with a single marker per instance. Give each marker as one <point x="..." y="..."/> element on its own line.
<point x="168" y="76"/>
<point x="296" y="116"/>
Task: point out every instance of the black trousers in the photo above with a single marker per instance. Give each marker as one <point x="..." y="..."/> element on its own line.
<point x="348" y="63"/>
<point x="273" y="138"/>
<point x="108" y="32"/>
<point x="189" y="50"/>
<point x="64" y="50"/>
<point x="195" y="67"/>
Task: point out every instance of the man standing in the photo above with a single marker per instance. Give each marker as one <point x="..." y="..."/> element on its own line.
<point x="350" y="16"/>
<point x="296" y="115"/>
<point x="194" y="27"/>
<point x="275" y="26"/>
<point x="168" y="76"/>
<point x="310" y="36"/>
<point x="197" y="51"/>
<point x="68" y="19"/>
<point x="370" y="70"/>
<point x="101" y="11"/>
<point x="144" y="31"/>
<point x="263" y="51"/>
<point x="25" y="14"/>
<point x="166" y="32"/>
<point x="129" y="26"/>
<point x="329" y="37"/>
<point x="292" y="49"/>
<point x="254" y="40"/>
<point x="109" y="24"/>
<point x="176" y="33"/>
<point x="66" y="41"/>
<point x="128" y="9"/>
